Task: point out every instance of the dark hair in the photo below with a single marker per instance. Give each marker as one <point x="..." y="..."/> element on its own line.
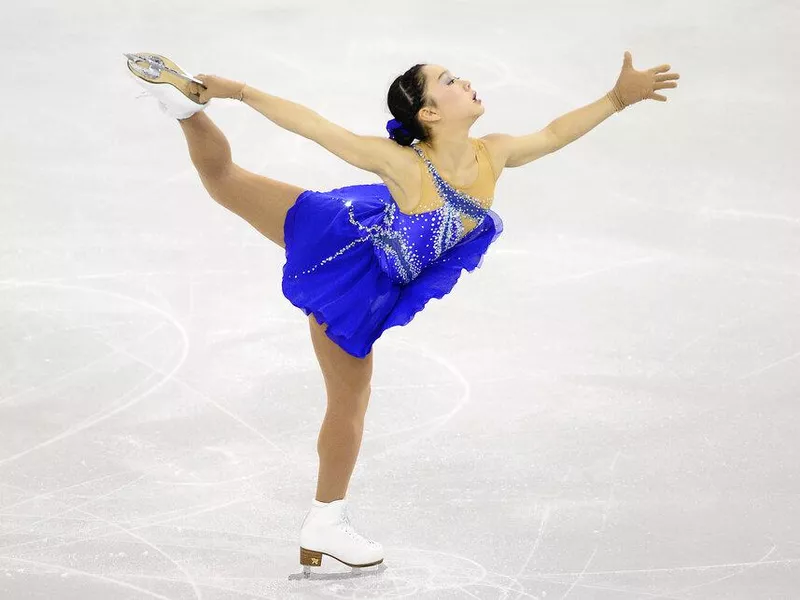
<point x="406" y="97"/>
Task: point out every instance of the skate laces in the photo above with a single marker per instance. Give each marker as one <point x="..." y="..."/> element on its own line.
<point x="345" y="520"/>
<point x="348" y="526"/>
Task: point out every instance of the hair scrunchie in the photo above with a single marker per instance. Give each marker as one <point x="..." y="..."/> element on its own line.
<point x="394" y="127"/>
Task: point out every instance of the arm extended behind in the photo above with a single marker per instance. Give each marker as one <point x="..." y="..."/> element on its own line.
<point x="371" y="153"/>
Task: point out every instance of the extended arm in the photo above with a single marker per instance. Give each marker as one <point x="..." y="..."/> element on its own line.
<point x="370" y="153"/>
<point x="631" y="87"/>
<point x="518" y="150"/>
<point x="577" y="123"/>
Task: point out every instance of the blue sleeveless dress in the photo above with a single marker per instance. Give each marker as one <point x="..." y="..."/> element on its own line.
<point x="361" y="266"/>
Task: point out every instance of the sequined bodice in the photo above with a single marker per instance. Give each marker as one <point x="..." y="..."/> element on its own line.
<point x="407" y="243"/>
<point x="403" y="244"/>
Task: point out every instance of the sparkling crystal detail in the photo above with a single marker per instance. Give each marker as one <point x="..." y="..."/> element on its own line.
<point x="443" y="226"/>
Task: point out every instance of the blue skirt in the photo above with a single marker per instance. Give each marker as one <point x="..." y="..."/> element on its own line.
<point x="334" y="271"/>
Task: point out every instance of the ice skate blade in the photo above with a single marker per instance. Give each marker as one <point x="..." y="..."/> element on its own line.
<point x="312" y="558"/>
<point x="157" y="61"/>
<point x="157" y="69"/>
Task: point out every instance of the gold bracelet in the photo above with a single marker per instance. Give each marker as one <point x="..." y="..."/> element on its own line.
<point x="241" y="93"/>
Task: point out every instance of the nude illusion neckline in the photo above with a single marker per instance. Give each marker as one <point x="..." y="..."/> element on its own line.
<point x="477" y="160"/>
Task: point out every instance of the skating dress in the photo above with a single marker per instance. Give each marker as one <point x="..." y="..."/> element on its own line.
<point x="359" y="264"/>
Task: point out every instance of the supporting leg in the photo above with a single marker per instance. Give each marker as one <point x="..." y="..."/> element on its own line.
<point x="347" y="382"/>
<point x="337" y="446"/>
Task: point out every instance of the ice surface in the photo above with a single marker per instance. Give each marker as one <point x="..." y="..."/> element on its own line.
<point x="618" y="420"/>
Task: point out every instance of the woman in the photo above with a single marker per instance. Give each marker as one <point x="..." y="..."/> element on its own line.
<point x="364" y="258"/>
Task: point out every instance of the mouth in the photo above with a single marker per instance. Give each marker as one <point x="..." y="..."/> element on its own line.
<point x="475" y="97"/>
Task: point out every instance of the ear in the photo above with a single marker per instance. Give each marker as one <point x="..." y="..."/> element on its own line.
<point x="429" y="115"/>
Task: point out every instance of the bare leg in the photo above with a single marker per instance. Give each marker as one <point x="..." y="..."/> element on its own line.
<point x="347" y="382"/>
<point x="259" y="200"/>
<point x="208" y="146"/>
<point x="263" y="202"/>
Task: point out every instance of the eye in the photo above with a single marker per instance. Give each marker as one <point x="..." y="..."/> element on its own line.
<point x="452" y="80"/>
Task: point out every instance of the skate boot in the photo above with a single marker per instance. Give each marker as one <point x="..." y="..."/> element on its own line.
<point x="327" y="530"/>
<point x="167" y="83"/>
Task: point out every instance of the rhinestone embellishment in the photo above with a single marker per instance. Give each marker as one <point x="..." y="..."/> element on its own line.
<point x="440" y="230"/>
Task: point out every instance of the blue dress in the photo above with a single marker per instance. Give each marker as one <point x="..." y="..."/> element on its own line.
<point x="361" y="266"/>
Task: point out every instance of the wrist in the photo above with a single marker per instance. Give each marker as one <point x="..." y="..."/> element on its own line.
<point x="240" y="95"/>
<point x="615" y="99"/>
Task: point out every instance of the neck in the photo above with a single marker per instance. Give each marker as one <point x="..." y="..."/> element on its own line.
<point x="451" y="151"/>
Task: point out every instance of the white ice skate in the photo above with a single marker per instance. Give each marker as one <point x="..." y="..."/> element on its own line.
<point x="327" y="530"/>
<point x="166" y="82"/>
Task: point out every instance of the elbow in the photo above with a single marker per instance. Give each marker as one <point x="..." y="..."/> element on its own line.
<point x="554" y="141"/>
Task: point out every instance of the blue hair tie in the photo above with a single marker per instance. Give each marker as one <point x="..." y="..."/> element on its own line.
<point x="395" y="127"/>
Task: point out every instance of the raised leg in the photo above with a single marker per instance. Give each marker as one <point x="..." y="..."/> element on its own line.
<point x="259" y="200"/>
<point x="347" y="382"/>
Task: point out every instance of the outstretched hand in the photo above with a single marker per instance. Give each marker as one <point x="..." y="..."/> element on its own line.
<point x="633" y="86"/>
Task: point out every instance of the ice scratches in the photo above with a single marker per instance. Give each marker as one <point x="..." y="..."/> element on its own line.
<point x="668" y="570"/>
<point x="431" y="425"/>
<point x="739" y="572"/>
<point x="189" y="579"/>
<point x="183" y="515"/>
<point x="789" y="358"/>
<point x="68" y="374"/>
<point x="103" y="415"/>
<point x="743" y="214"/>
<point x="47" y="495"/>
<point x="417" y="572"/>
<point x="215" y="584"/>
<point x="87" y="574"/>
<point x="542" y="527"/>
<point x="68" y="510"/>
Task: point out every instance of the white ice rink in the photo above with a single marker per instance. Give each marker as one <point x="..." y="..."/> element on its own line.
<point x="607" y="409"/>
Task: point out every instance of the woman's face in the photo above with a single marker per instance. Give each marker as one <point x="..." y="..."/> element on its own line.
<point x="454" y="97"/>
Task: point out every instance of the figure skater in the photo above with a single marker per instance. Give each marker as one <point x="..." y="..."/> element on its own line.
<point x="363" y="258"/>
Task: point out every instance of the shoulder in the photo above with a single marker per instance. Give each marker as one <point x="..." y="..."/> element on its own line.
<point x="390" y="151"/>
<point x="402" y="164"/>
<point x="497" y="146"/>
<point x="401" y="175"/>
<point x="496" y="143"/>
<point x="518" y="150"/>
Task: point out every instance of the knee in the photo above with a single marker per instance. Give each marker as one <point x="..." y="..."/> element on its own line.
<point x="219" y="184"/>
<point x="352" y="405"/>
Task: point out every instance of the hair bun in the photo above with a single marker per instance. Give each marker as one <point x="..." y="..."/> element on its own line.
<point x="399" y="132"/>
<point x="405" y="98"/>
